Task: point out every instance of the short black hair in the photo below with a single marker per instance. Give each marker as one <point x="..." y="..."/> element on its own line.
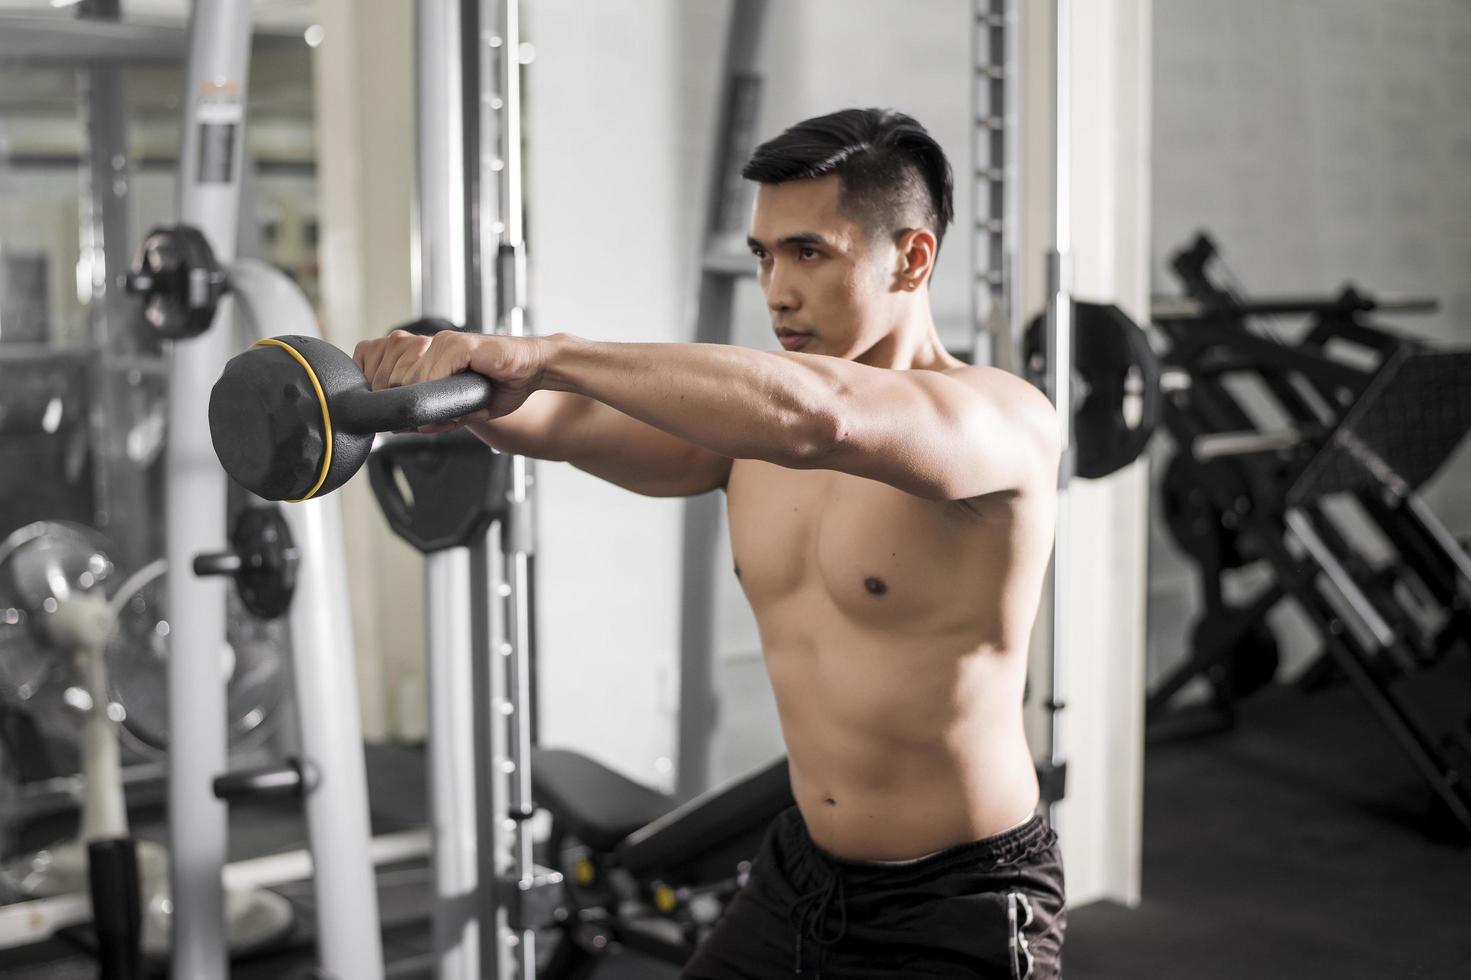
<point x="893" y="173"/>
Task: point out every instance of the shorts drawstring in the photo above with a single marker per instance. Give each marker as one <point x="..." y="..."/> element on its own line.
<point x="809" y="916"/>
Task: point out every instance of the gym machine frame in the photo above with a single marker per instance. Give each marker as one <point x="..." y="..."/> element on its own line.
<point x="1240" y="494"/>
<point x="217" y="43"/>
<point x="1058" y="354"/>
<point x="471" y="269"/>
<point x="211" y="164"/>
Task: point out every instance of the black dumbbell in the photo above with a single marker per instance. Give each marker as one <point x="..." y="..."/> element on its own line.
<point x="293" y="417"/>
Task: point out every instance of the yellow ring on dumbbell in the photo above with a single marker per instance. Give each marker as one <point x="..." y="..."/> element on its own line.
<point x="321" y="401"/>
<point x="585" y="872"/>
<point x="665" y="899"/>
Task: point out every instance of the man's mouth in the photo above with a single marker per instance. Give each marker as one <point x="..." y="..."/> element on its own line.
<point x="792" y="340"/>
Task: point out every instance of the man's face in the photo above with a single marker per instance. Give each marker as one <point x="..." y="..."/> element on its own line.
<point x="827" y="284"/>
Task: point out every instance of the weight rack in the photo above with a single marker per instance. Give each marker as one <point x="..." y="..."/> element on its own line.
<point x="1372" y="415"/>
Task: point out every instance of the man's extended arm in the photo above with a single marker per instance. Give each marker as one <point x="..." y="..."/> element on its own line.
<point x="556" y="425"/>
<point x="939" y="435"/>
<point x="602" y="441"/>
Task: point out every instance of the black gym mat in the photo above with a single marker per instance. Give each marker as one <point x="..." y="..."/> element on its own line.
<point x="1296" y="845"/>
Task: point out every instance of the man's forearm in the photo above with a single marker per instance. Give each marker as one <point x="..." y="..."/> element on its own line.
<point x="544" y="428"/>
<point x="737" y="402"/>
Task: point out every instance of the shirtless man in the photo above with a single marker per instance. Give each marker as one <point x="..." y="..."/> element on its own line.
<point x="891" y="512"/>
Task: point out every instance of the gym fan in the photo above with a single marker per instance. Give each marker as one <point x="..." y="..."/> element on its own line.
<point x="70" y="622"/>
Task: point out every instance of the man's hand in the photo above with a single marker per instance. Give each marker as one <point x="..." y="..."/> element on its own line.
<point x="515" y="364"/>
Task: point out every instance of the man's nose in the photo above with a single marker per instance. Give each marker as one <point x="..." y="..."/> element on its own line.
<point x="781" y="294"/>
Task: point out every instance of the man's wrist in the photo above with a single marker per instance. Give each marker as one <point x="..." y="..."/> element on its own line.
<point x="560" y="354"/>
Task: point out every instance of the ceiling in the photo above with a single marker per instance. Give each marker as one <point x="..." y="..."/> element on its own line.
<point x="268" y="14"/>
<point x="280" y="86"/>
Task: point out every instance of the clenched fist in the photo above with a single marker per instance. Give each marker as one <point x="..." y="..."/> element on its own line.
<point x="516" y="365"/>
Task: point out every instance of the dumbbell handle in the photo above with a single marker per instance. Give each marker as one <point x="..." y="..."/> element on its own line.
<point x="364" y="412"/>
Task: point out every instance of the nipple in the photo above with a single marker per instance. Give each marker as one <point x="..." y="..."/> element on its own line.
<point x="875" y="586"/>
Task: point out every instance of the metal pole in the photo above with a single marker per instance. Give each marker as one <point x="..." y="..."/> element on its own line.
<point x="485" y="646"/>
<point x="325" y="683"/>
<point x="491" y="82"/>
<point x="994" y="30"/>
<point x="122" y="491"/>
<point x="209" y="195"/>
<point x="1012" y="218"/>
<point x="517" y="537"/>
<point x="1059" y="371"/>
<point x="725" y="235"/>
<point x="1442" y="536"/>
<point x="440" y="269"/>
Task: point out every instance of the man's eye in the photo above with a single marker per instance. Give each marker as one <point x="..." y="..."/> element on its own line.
<point x="759" y="253"/>
<point x="807" y="253"/>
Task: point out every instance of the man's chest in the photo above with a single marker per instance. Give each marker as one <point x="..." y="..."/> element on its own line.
<point x="877" y="553"/>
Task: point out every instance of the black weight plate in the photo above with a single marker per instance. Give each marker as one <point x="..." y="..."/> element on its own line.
<point x="180" y="281"/>
<point x="439" y="491"/>
<point x="1113" y="364"/>
<point x="268" y="558"/>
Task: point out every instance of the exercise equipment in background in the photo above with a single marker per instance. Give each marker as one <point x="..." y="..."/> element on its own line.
<point x="293" y="417"/>
<point x="62" y="600"/>
<point x="644" y="870"/>
<point x="1305" y="454"/>
<point x="190" y="280"/>
<point x="59" y="592"/>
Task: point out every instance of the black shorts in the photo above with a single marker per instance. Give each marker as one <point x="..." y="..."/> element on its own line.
<point x="989" y="908"/>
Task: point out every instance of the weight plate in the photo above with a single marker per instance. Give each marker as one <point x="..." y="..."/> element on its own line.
<point x="1115" y="386"/>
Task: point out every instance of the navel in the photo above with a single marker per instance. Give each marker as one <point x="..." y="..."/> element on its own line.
<point x="830" y="801"/>
<point x="875" y="586"/>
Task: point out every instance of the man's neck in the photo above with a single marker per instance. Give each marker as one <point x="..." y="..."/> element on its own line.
<point x="912" y="345"/>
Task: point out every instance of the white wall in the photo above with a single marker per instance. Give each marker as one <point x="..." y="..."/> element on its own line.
<point x="1319" y="141"/>
<point x="364" y="93"/>
<point x="612" y="234"/>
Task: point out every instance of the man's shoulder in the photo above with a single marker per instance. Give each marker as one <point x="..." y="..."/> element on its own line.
<point x="1015" y="396"/>
<point x="994" y="379"/>
<point x="1022" y="404"/>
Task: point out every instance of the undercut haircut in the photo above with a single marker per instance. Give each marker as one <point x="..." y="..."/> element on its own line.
<point x="894" y="175"/>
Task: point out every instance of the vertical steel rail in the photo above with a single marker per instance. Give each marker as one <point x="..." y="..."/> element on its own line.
<point x="517" y="536"/>
<point x="994" y="173"/>
<point x="210" y="160"/>
<point x="728" y="211"/>
<point x="1012" y="236"/>
<point x="440" y="268"/>
<point x="1059" y="373"/>
<point x="324" y="671"/>
<point x="122" y="495"/>
<point x="500" y="583"/>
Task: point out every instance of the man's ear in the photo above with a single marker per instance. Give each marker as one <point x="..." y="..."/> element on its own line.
<point x="917" y="248"/>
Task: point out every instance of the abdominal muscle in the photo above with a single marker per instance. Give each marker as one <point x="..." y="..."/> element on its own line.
<point x="897" y="753"/>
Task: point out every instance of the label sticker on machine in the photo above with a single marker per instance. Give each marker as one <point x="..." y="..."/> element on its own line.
<point x="216" y="153"/>
<point x="218" y="115"/>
